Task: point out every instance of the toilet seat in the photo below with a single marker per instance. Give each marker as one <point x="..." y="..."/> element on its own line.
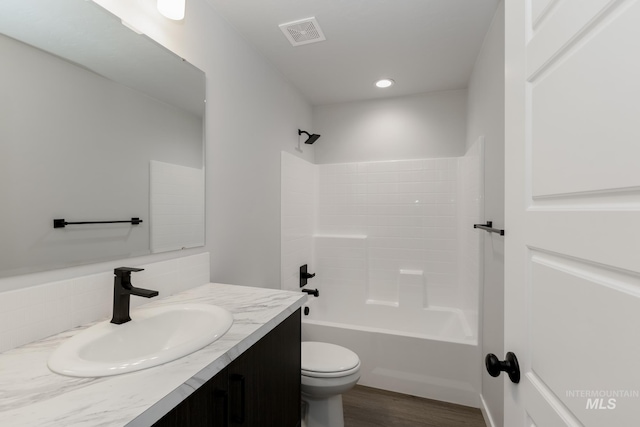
<point x="325" y="360"/>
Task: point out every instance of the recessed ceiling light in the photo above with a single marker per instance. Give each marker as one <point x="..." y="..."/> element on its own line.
<point x="382" y="83"/>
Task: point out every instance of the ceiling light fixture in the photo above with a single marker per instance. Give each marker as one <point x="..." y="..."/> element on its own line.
<point x="382" y="83"/>
<point x="172" y="9"/>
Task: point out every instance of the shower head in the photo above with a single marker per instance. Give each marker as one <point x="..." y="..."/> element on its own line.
<point x="313" y="137"/>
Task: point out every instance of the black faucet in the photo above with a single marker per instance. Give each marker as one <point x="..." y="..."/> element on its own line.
<point x="122" y="290"/>
<point x="314" y="292"/>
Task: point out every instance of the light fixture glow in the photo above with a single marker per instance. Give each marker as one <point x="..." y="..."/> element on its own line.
<point x="172" y="9"/>
<point x="382" y="83"/>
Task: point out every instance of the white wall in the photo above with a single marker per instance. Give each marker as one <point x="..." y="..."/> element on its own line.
<point x="32" y="313"/>
<point x="486" y="117"/>
<point x="253" y="114"/>
<point x="409" y="127"/>
<point x="298" y="218"/>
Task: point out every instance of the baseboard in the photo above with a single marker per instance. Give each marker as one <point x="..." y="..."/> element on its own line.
<point x="486" y="414"/>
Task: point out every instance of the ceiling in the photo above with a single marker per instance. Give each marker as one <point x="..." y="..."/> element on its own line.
<point x="424" y="45"/>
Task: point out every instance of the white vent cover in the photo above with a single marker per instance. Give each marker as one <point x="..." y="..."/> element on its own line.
<point x="304" y="31"/>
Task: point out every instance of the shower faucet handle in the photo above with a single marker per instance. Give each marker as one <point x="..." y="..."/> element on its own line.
<point x="304" y="275"/>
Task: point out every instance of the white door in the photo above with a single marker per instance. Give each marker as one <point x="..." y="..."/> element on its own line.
<point x="572" y="248"/>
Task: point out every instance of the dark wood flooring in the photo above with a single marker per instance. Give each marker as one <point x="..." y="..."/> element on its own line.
<point x="370" y="407"/>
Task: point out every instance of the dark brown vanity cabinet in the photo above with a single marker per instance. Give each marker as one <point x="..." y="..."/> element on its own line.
<point x="261" y="388"/>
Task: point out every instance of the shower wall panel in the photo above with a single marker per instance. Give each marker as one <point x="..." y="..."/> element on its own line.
<point x="298" y="199"/>
<point x="407" y="211"/>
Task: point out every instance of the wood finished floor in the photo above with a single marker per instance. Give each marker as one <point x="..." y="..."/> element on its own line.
<point x="370" y="407"/>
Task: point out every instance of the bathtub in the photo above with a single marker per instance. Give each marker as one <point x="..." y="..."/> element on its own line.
<point x="430" y="353"/>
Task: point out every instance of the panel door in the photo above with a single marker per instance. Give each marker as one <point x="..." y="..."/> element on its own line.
<point x="264" y="382"/>
<point x="572" y="243"/>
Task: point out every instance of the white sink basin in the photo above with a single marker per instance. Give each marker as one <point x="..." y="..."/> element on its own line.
<point x="154" y="336"/>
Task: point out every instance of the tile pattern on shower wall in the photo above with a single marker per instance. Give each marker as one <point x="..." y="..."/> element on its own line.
<point x="297" y="218"/>
<point x="342" y="274"/>
<point x="36" y="312"/>
<point x="471" y="211"/>
<point x="407" y="209"/>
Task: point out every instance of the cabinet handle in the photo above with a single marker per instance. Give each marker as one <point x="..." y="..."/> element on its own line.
<point x="217" y="394"/>
<point x="237" y="414"/>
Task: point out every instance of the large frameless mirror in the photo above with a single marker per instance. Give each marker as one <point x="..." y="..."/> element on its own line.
<point x="97" y="123"/>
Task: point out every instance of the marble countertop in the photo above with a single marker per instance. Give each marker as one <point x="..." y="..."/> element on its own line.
<point x="31" y="395"/>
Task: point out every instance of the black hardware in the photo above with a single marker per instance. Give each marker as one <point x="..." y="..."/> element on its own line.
<point x="61" y="223"/>
<point x="238" y="405"/>
<point x="122" y="291"/>
<point x="488" y="227"/>
<point x="306" y="311"/>
<point x="313" y="137"/>
<point x="314" y="292"/>
<point x="509" y="365"/>
<point x="304" y="275"/>
<point x="219" y="394"/>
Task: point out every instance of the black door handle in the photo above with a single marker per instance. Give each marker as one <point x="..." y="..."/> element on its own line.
<point x="509" y="365"/>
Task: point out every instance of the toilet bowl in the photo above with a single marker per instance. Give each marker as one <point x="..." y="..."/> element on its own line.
<point x="328" y="370"/>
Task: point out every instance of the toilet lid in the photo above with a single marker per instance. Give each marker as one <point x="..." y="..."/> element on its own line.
<point x="324" y="358"/>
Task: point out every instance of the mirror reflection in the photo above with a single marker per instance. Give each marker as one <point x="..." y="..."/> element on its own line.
<point x="97" y="123"/>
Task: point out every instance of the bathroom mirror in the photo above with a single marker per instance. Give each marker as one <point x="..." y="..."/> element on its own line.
<point x="97" y="123"/>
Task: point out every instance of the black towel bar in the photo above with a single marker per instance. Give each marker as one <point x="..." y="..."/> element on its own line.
<point x="61" y="223"/>
<point x="489" y="227"/>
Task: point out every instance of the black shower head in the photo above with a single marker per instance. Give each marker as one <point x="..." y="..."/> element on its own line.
<point x="312" y="137"/>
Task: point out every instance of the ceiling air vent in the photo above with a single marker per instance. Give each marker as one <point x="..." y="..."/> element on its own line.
<point x="304" y="31"/>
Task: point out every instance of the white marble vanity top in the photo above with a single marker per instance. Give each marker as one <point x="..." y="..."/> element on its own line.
<point x="31" y="395"/>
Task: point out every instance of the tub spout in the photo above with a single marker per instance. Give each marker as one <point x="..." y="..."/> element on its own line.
<point x="314" y="292"/>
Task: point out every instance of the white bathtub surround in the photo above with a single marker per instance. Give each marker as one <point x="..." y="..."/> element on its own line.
<point x="36" y="312"/>
<point x="399" y="285"/>
<point x="343" y="268"/>
<point x="435" y="323"/>
<point x="412" y="290"/>
<point x="471" y="211"/>
<point x="407" y="211"/>
<point x="298" y="218"/>
<point x="34" y="396"/>
<point x="430" y="366"/>
<point x="378" y="223"/>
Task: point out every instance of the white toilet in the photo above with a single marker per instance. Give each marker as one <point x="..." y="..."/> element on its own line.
<point x="328" y="370"/>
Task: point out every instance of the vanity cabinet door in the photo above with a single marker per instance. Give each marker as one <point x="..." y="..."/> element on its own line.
<point x="206" y="407"/>
<point x="261" y="388"/>
<point x="264" y="381"/>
